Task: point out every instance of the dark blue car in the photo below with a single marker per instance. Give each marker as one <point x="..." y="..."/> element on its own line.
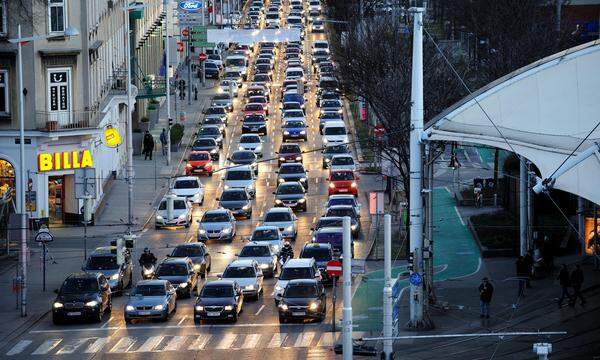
<point x="293" y="98"/>
<point x="294" y="130"/>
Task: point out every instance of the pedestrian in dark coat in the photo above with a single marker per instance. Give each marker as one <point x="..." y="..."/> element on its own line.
<point x="486" y="290"/>
<point x="576" y="282"/>
<point x="148" y="145"/>
<point x="521" y="274"/>
<point x="163" y="141"/>
<point x="565" y="282"/>
<point x="528" y="263"/>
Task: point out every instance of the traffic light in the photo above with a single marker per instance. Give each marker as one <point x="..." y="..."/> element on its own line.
<point x="411" y="261"/>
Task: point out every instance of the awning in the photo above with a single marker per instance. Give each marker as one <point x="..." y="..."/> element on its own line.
<point x="251" y="36"/>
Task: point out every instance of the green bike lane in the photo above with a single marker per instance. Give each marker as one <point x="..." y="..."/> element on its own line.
<point x="455" y="255"/>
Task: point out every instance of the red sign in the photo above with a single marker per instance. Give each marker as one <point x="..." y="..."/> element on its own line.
<point x="210" y="9"/>
<point x="202" y="56"/>
<point x="379" y="130"/>
<point x="185" y="32"/>
<point x="180" y="46"/>
<point x="334" y="268"/>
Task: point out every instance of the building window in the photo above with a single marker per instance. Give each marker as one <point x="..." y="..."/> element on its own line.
<point x="3" y="24"/>
<point x="57" y="15"/>
<point x="59" y="95"/>
<point x="4" y="93"/>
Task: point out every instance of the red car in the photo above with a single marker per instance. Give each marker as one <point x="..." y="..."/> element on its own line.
<point x="289" y="153"/>
<point x="254" y="109"/>
<point x="343" y="182"/>
<point x="199" y="162"/>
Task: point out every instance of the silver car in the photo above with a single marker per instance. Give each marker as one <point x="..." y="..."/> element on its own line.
<point x="181" y="215"/>
<point x="151" y="299"/>
<point x="223" y="100"/>
<point x="218" y="224"/>
<point x="247" y="274"/>
<point x="251" y="142"/>
<point x="284" y="219"/>
<point x="240" y="177"/>
<point x="263" y="253"/>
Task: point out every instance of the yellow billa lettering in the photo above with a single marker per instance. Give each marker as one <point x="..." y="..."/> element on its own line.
<point x="45" y="162"/>
<point x="57" y="162"/>
<point x="66" y="161"/>
<point x="86" y="159"/>
<point x="76" y="164"/>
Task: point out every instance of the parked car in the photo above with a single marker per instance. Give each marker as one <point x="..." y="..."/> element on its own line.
<point x="221" y="299"/>
<point x="198" y="253"/>
<point x="182" y="213"/>
<point x="82" y="296"/>
<point x="303" y="299"/>
<point x="180" y="273"/>
<point x="248" y="275"/>
<point x="151" y="299"/>
<point x="217" y="224"/>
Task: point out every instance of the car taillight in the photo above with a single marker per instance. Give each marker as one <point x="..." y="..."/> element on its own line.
<point x="353" y="184"/>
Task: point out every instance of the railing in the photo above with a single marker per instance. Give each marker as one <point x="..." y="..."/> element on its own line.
<point x="66" y="120"/>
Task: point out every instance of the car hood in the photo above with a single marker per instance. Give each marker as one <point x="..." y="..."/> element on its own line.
<point x="185" y="192"/>
<point x="106" y="273"/>
<point x="176" y="212"/>
<point x="215" y="225"/>
<point x="216" y="301"/>
<point x="279" y="224"/>
<point x="336" y="138"/>
<point x="146" y="300"/>
<point x="234" y="204"/>
<point x="293" y="176"/>
<point x="298" y="301"/>
<point x="261" y="259"/>
<point x="238" y="183"/>
<point x="198" y="162"/>
<point x="276" y="244"/>
<point x="281" y="283"/>
<point x="294" y="129"/>
<point x="290" y="197"/>
<point x="174" y="279"/>
<point x="84" y="297"/>
<point x="216" y="116"/>
<point x="244" y="281"/>
<point x="249" y="145"/>
<point x="342" y="167"/>
<point x="290" y="155"/>
<point x="203" y="148"/>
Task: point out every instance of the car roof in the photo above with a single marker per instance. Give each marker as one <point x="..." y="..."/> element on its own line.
<point x="104" y="251"/>
<point x="257" y="243"/>
<point x="299" y="263"/>
<point x="341" y="196"/>
<point x="191" y="244"/>
<point x="216" y="211"/>
<point x="175" y="198"/>
<point x="331" y="229"/>
<point x="151" y="282"/>
<point x="316" y="245"/>
<point x="342" y="156"/>
<point x="240" y="168"/>
<point x="294" y="165"/>
<point x="83" y="275"/>
<point x="242" y="262"/>
<point x="341" y="207"/>
<point x="220" y="283"/>
<point x="342" y="171"/>
<point x="302" y="282"/>
<point x="290" y="183"/>
<point x="186" y="178"/>
<point x="177" y="260"/>
<point x="279" y="209"/>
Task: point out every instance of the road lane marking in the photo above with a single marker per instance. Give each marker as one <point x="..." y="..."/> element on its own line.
<point x="182" y="320"/>
<point x="97" y="345"/>
<point x="227" y="341"/>
<point x="46" y="347"/>
<point x="327" y="339"/>
<point x="277" y="340"/>
<point x="261" y="307"/>
<point x="459" y="217"/>
<point x="71" y="348"/>
<point x="200" y="342"/>
<point x="251" y="341"/>
<point x="123" y="345"/>
<point x="304" y="339"/>
<point x="175" y="343"/>
<point x="150" y="344"/>
<point x="19" y="347"/>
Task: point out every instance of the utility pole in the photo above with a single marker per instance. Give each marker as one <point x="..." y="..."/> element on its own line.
<point x="22" y="185"/>
<point x="130" y="173"/>
<point x="522" y="206"/>
<point x="387" y="287"/>
<point x="189" y="65"/>
<point x="347" y="347"/>
<point x="203" y="48"/>
<point x="167" y="81"/>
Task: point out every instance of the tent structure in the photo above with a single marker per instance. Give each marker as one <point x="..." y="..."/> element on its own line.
<point x="251" y="36"/>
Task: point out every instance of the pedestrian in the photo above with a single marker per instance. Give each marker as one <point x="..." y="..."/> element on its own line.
<point x="565" y="282"/>
<point x="148" y="145"/>
<point x="576" y="282"/>
<point x="477" y="193"/>
<point x="521" y="273"/>
<point x="163" y="141"/>
<point x="548" y="253"/>
<point x="486" y="290"/>
<point x="528" y="263"/>
<point x="195" y="93"/>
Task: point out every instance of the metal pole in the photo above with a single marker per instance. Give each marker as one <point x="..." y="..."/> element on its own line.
<point x="203" y="48"/>
<point x="580" y="223"/>
<point x="522" y="206"/>
<point x="44" y="266"/>
<point x="429" y="229"/>
<point x="130" y="173"/>
<point x="189" y="63"/>
<point x="416" y="165"/>
<point x="221" y="12"/>
<point x="84" y="240"/>
<point x="347" y="309"/>
<point x="22" y="179"/>
<point x="528" y="191"/>
<point x="167" y="82"/>
<point x="334" y="298"/>
<point x="387" y="289"/>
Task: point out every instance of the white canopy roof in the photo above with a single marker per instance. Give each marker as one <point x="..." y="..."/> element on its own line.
<point x="251" y="36"/>
<point x="544" y="111"/>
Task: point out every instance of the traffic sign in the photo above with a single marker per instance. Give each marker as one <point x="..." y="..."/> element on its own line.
<point x="190" y="5"/>
<point x="415" y="279"/>
<point x="43" y="236"/>
<point x="185" y="32"/>
<point x="334" y="268"/>
<point x="202" y="56"/>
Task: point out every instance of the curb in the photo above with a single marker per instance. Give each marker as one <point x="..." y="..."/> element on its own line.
<point x="350" y="121"/>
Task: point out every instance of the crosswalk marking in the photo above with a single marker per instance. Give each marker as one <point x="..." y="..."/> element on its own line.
<point x="123" y="345"/>
<point x="327" y="339"/>
<point x="200" y="342"/>
<point x="19" y="347"/>
<point x="97" y="345"/>
<point x="175" y="342"/>
<point x="251" y="341"/>
<point x="277" y="340"/>
<point x="227" y="341"/>
<point x="304" y="339"/>
<point x="71" y="348"/>
<point x="46" y="347"/>
<point x="150" y="344"/>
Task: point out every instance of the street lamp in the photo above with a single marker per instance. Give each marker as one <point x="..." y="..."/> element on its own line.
<point x="69" y="31"/>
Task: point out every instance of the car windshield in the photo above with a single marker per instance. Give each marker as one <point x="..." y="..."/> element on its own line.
<point x="261" y="78"/>
<point x="330" y="104"/>
<point x="277" y="216"/>
<point x="209" y="131"/>
<point x="235" y="62"/>
<point x="342" y="160"/>
<point x="292" y="169"/>
<point x="288" y="189"/>
<point x="342" y="175"/>
<point x="102" y="263"/>
<point x="330" y="84"/>
<point x="289" y="149"/>
<point x="177" y="204"/>
<point x="331" y="115"/>
<point x="239" y="272"/>
<point x="338" y="149"/>
<point x="294" y="124"/>
<point x="238" y="175"/>
<point x="273" y="16"/>
<point x="79" y="286"/>
<point x="171" y="270"/>
<point x="232" y="75"/>
<point x="301" y="291"/>
<point x="149" y="290"/>
<point x="204" y="143"/>
<point x="186" y="184"/>
<point x="211" y="65"/>
<point x="291" y="273"/>
<point x="292" y="105"/>
<point x="334" y="130"/>
<point x="214" y="57"/>
<point x="293" y="113"/>
<point x="223" y="96"/>
<point x="184" y="251"/>
<point x="329" y="223"/>
<point x="253" y="107"/>
<point x="340" y="201"/>
<point x="318" y="253"/>
<point x="215" y="217"/>
<point x="341" y="212"/>
<point x="268" y="234"/>
<point x="249" y="139"/>
<point x="216" y="292"/>
<point x="198" y="156"/>
<point x="255" y="251"/>
<point x="258" y="100"/>
<point x="243" y="155"/>
<point x="294" y="20"/>
<point x="212" y="121"/>
<point x="255" y="92"/>
<point x="215" y="110"/>
<point x="234" y="195"/>
<point x="319" y="22"/>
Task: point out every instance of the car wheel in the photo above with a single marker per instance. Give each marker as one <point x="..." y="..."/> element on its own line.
<point x="282" y="320"/>
<point x="57" y="320"/>
<point x="235" y="317"/>
<point x="164" y="318"/>
<point x="187" y="224"/>
<point x="109" y="307"/>
<point x="156" y="227"/>
<point x="202" y="276"/>
<point x="98" y="317"/>
<point x="127" y="321"/>
<point x="175" y="308"/>
<point x="198" y="321"/>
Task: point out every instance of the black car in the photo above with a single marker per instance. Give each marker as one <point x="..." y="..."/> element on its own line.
<point x="238" y="201"/>
<point x="198" y="253"/>
<point x="303" y="299"/>
<point x="331" y="150"/>
<point x="82" y="295"/>
<point x="293" y="172"/>
<point x="219" y="300"/>
<point x="104" y="260"/>
<point x="211" y="70"/>
<point x="244" y="157"/>
<point x="254" y="124"/>
<point x="291" y="194"/>
<point x="322" y="253"/>
<point x="207" y="144"/>
<point x="180" y="273"/>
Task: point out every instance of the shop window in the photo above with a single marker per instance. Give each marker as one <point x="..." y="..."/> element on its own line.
<point x="57" y="16"/>
<point x="3" y="17"/>
<point x="4" y="93"/>
<point x="7" y="179"/>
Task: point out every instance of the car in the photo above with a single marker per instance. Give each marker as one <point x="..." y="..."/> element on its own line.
<point x="343" y="199"/>
<point x="291" y="115"/>
<point x="217" y="112"/>
<point x="284" y="219"/>
<point x="211" y="132"/>
<point x="332" y="150"/>
<point x="303" y="299"/>
<point x="209" y="145"/>
<point x="243" y="157"/>
<point x="331" y="106"/>
<point x="293" y="172"/>
<point x="322" y="253"/>
<point x="324" y="118"/>
<point x="293" y="20"/>
<point x="182" y="213"/>
<point x="327" y="83"/>
<point x="257" y="90"/>
<point x="237" y="63"/>
<point x="327" y="94"/>
<point x="229" y="87"/>
<point x="223" y="100"/>
<point x="295" y="269"/>
<point x="294" y="130"/>
<point x="180" y="273"/>
<point x="219" y="299"/>
<point x="343" y="182"/>
<point x="198" y="253"/>
<point x="346" y="210"/>
<point x="333" y="236"/>
<point x="293" y="97"/>
<point x="260" y="99"/>
<point x="272" y="19"/>
<point x="216" y="122"/>
<point x="238" y="201"/>
<point x="251" y="142"/>
<point x="261" y="79"/>
<point x="188" y="187"/>
<point x="151" y="299"/>
<point x="248" y="275"/>
<point x="292" y="105"/>
<point x="240" y="177"/>
<point x="199" y="163"/>
<point x="254" y="109"/>
<point x="254" y="124"/>
<point x="262" y="252"/>
<point x="217" y="224"/>
<point x="342" y="162"/>
<point x="291" y="194"/>
<point x="82" y="296"/>
<point x="215" y="59"/>
<point x="211" y="70"/>
<point x="289" y="153"/>
<point x="317" y="26"/>
<point x="104" y="260"/>
<point x="334" y="132"/>
<point x="314" y="13"/>
<point x="314" y="5"/>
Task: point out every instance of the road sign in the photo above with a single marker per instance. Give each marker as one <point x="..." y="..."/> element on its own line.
<point x="334" y="268"/>
<point x="43" y="236"/>
<point x="415" y="279"/>
<point x="202" y="56"/>
<point x="85" y="183"/>
<point x="376" y="203"/>
<point x="185" y="32"/>
<point x="190" y="5"/>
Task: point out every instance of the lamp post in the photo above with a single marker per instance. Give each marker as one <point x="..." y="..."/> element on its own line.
<point x="69" y="32"/>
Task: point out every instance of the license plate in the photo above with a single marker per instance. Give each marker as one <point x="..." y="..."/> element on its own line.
<point x="213" y="313"/>
<point x="74" y="313"/>
<point x="343" y="190"/>
<point x="254" y="129"/>
<point x="298" y="313"/>
<point x="144" y="313"/>
<point x="290" y="160"/>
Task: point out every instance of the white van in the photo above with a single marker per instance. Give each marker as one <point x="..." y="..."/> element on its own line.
<point x="295" y="73"/>
<point x="334" y="132"/>
<point x="237" y="63"/>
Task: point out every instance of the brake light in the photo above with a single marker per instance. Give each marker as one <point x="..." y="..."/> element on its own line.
<point x="353" y="184"/>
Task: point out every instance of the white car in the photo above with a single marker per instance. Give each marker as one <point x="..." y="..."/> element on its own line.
<point x="284" y="219"/>
<point x="295" y="269"/>
<point x="237" y="63"/>
<point x="344" y="199"/>
<point x="334" y="132"/>
<point x="293" y="115"/>
<point x="251" y="142"/>
<point x="314" y="5"/>
<point x="240" y="177"/>
<point x="342" y="162"/>
<point x="181" y="216"/>
<point x="248" y="275"/>
<point x="189" y="187"/>
<point x="224" y="87"/>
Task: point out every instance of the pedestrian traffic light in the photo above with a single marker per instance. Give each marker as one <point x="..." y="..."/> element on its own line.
<point x="411" y="261"/>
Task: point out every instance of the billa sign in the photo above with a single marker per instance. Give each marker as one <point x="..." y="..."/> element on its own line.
<point x="64" y="160"/>
<point x="112" y="138"/>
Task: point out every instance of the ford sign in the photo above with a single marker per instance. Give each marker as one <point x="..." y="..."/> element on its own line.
<point x="190" y="5"/>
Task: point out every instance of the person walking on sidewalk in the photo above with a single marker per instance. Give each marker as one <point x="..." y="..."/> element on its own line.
<point x="528" y="263"/>
<point x="521" y="274"/>
<point x="163" y="141"/>
<point x="486" y="290"/>
<point x="195" y="93"/>
<point x="576" y="282"/>
<point x="148" y="145"/>
<point x="565" y="282"/>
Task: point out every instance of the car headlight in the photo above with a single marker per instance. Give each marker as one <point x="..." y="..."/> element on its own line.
<point x="339" y="111"/>
<point x="327" y="160"/>
<point x="250" y="187"/>
<point x="228" y="307"/>
<point x="241" y="147"/>
<point x="182" y="216"/>
<point x="278" y="288"/>
<point x="197" y="267"/>
<point x="148" y="271"/>
<point x="188" y="166"/>
<point x="183" y="285"/>
<point x="303" y="132"/>
<point x="246" y="207"/>
<point x="353" y="184"/>
<point x="332" y="186"/>
<point x="129" y="308"/>
<point x="220" y="91"/>
<point x="258" y="148"/>
<point x="57" y="305"/>
<point x="281" y="159"/>
<point x="91" y="303"/>
<point x="159" y="307"/>
<point x="354" y="227"/>
<point x="115" y="276"/>
<point x="286" y="132"/>
<point x="302" y="179"/>
<point x="160" y="218"/>
<point x="201" y="231"/>
<point x="325" y="140"/>
<point x="264" y="266"/>
<point x="226" y="230"/>
<point x="283" y="307"/>
<point x="281" y="180"/>
<point x="289" y="228"/>
<point x="199" y="308"/>
<point x="214" y="151"/>
<point x="302" y="201"/>
<point x="226" y="187"/>
<point x="298" y="158"/>
<point x="277" y="201"/>
<point x="249" y="287"/>
<point x="313" y="306"/>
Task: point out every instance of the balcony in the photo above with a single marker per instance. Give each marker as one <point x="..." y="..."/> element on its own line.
<point x="66" y="120"/>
